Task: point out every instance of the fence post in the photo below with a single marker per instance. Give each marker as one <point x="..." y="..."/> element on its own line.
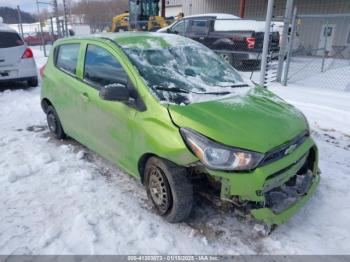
<point x="266" y="42"/>
<point x="325" y="34"/>
<point x="290" y="47"/>
<point x="284" y="40"/>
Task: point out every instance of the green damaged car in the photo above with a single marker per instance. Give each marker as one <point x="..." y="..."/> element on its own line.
<point x="171" y="113"/>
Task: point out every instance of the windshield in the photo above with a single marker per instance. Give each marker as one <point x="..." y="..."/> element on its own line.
<point x="175" y="74"/>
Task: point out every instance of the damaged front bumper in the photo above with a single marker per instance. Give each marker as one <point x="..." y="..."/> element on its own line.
<point x="274" y="192"/>
<point x="270" y="217"/>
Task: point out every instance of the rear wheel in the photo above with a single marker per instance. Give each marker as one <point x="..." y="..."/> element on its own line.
<point x="54" y="123"/>
<point x="169" y="189"/>
<point x="33" y="82"/>
<point x="227" y="57"/>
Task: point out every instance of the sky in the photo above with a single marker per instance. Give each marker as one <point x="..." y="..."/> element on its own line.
<point x="25" y="5"/>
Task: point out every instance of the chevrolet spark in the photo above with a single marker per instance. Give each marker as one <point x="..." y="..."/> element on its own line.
<point x="169" y="112"/>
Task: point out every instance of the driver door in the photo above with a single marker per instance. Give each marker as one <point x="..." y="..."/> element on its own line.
<point x="108" y="123"/>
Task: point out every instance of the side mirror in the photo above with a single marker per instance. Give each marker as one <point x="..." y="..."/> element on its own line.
<point x="115" y="92"/>
<point x="168" y="30"/>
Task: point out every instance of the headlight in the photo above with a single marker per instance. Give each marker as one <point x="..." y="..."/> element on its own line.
<point x="220" y="157"/>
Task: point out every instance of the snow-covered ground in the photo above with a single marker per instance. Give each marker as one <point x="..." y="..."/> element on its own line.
<point x="57" y="197"/>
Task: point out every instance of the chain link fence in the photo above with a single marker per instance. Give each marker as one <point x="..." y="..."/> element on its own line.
<point x="320" y="55"/>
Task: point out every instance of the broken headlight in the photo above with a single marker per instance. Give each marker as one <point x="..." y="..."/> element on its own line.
<point x="217" y="156"/>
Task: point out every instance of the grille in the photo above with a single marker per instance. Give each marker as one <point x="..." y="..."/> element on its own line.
<point x="282" y="151"/>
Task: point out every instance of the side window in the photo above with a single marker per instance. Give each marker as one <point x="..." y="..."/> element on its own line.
<point x="180" y="27"/>
<point x="67" y="57"/>
<point x="101" y="68"/>
<point x="199" y="27"/>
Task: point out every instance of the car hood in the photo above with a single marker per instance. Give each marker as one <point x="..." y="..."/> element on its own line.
<point x="257" y="120"/>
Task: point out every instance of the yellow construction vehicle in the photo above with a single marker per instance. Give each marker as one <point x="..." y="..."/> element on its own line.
<point x="143" y="15"/>
<point x="120" y="23"/>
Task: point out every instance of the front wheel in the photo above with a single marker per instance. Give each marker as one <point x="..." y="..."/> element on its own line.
<point x="169" y="189"/>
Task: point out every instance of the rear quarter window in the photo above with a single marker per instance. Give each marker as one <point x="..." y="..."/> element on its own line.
<point x="66" y="57"/>
<point x="10" y="39"/>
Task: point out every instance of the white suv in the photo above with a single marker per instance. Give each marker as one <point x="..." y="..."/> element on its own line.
<point x="16" y="59"/>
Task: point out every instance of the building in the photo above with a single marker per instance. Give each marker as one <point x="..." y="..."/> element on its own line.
<point x="323" y="23"/>
<point x="256" y="9"/>
<point x="173" y="7"/>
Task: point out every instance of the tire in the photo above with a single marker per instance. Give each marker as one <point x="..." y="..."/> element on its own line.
<point x="176" y="201"/>
<point x="54" y="123"/>
<point x="33" y="82"/>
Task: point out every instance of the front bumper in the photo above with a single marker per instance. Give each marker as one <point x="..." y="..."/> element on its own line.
<point x="251" y="188"/>
<point x="270" y="218"/>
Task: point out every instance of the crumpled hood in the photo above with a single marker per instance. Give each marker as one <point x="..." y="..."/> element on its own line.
<point x="257" y="120"/>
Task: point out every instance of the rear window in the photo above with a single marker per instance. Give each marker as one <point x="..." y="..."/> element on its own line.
<point x="10" y="39"/>
<point x="67" y="57"/>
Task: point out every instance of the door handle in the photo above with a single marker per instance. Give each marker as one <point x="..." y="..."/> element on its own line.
<point x="85" y="97"/>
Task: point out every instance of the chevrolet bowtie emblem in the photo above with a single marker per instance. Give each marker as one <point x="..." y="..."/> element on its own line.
<point x="290" y="149"/>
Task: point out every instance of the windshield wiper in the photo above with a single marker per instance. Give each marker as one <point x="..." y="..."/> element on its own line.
<point x="180" y="90"/>
<point x="173" y="89"/>
<point x="239" y="85"/>
<point x="234" y="86"/>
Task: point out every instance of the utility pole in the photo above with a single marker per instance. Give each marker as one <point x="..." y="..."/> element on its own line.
<point x="284" y="39"/>
<point x="41" y="29"/>
<point x="163" y="9"/>
<point x="20" y="21"/>
<point x="65" y="17"/>
<point x="55" y="10"/>
<point x="242" y="8"/>
<point x="266" y="42"/>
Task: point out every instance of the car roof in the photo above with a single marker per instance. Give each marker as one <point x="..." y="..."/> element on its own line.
<point x="140" y="40"/>
<point x="216" y="15"/>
